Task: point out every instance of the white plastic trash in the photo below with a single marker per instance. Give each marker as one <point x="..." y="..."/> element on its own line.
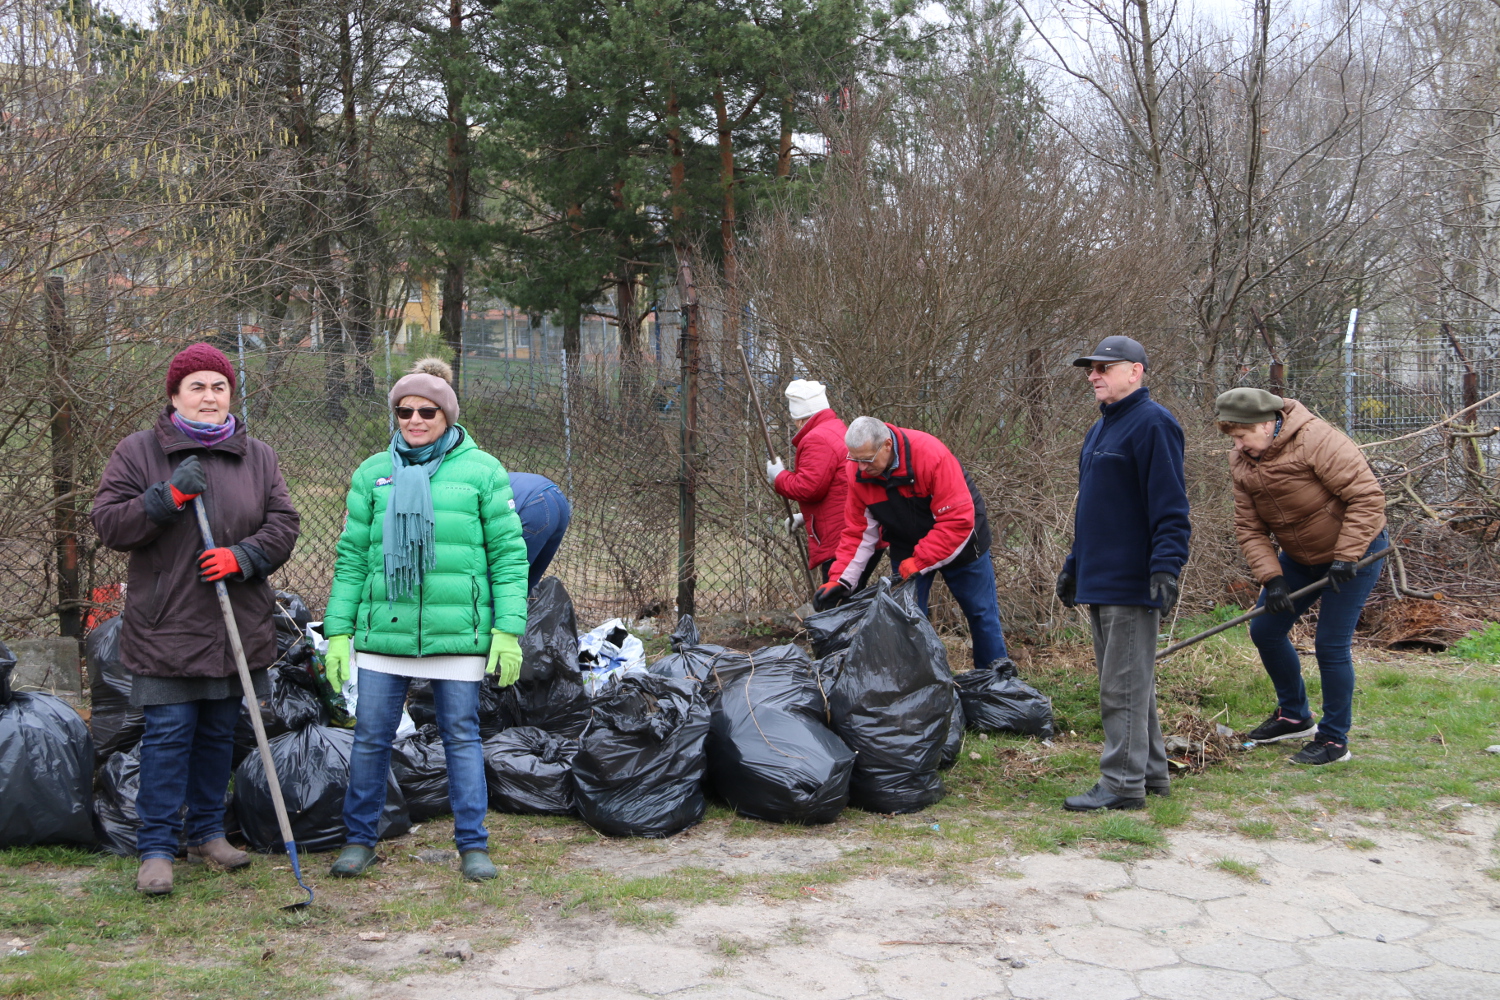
<point x="609" y="652"/>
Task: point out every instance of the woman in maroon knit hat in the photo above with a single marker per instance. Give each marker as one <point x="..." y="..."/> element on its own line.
<point x="172" y="636"/>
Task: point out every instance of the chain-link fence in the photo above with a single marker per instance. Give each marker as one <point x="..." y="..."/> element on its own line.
<point x="661" y="455"/>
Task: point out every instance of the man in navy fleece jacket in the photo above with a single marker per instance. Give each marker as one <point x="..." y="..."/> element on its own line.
<point x="1130" y="539"/>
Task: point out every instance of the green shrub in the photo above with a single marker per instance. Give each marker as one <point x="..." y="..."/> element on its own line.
<point x="1483" y="645"/>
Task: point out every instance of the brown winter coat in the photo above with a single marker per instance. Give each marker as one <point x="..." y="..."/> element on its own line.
<point x="172" y="623"/>
<point x="1312" y="489"/>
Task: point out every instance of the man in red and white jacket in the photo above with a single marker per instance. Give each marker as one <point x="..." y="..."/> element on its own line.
<point x="820" y="481"/>
<point x="907" y="489"/>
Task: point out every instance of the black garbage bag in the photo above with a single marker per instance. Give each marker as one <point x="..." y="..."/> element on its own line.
<point x="640" y="766"/>
<point x="955" y="741"/>
<point x="550" y="693"/>
<point x="116" y="822"/>
<point x="46" y="768"/>
<point x="770" y="754"/>
<point x="419" y="703"/>
<point x="528" y="770"/>
<point x="832" y="630"/>
<point x="997" y="701"/>
<point x="891" y="697"/>
<point x="293" y="704"/>
<point x="291" y="619"/>
<point x="686" y="634"/>
<point x="421" y="768"/>
<point x="313" y="765"/>
<point x="114" y="723"/>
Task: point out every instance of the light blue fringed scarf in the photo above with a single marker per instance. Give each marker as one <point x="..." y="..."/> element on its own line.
<point x="408" y="542"/>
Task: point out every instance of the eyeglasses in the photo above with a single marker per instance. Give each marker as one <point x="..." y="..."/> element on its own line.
<point x="1100" y="367"/>
<point x="427" y="412"/>
<point x="863" y="461"/>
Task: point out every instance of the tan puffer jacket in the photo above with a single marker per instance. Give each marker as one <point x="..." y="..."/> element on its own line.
<point x="1312" y="489"/>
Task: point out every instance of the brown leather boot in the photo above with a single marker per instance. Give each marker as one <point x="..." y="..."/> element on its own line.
<point x="220" y="853"/>
<point x="155" y="877"/>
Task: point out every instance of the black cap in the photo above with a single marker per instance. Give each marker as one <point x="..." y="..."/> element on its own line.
<point x="1114" y="349"/>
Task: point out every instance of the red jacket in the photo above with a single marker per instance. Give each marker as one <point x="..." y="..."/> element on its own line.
<point x="926" y="507"/>
<point x="819" y="483"/>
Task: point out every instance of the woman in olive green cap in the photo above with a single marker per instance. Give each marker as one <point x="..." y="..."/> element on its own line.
<point x="1302" y="482"/>
<point x="430" y="583"/>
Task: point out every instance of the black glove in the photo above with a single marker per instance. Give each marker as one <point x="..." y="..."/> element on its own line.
<point x="1067" y="589"/>
<point x="1278" y="596"/>
<point x="1339" y="572"/>
<point x="829" y="596"/>
<point x="1164" y="590"/>
<point x="189" y="479"/>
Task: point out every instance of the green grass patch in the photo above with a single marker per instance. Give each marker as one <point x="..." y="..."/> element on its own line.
<point x="1239" y="869"/>
<point x="1258" y="829"/>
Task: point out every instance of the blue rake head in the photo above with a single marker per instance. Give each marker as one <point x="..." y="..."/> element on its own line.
<point x="291" y="852"/>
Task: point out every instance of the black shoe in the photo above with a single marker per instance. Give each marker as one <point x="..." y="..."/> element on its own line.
<point x="1099" y="797"/>
<point x="1321" y="751"/>
<point x="1165" y="791"/>
<point x="1278" y="727"/>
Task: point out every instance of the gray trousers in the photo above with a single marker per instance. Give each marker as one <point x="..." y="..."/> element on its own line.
<point x="1125" y="652"/>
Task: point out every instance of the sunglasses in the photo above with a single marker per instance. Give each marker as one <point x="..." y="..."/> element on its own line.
<point x="1100" y="367"/>
<point x="427" y="412"/>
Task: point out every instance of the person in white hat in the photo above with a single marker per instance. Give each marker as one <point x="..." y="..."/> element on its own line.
<point x="820" y="481"/>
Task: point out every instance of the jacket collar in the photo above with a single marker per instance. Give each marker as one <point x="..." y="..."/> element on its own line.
<point x="1294" y="417"/>
<point x="173" y="440"/>
<point x="816" y="420"/>
<point x="1122" y="405"/>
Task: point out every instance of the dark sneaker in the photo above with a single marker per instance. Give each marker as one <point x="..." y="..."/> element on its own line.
<point x="1278" y="727"/>
<point x="1321" y="751"/>
<point x="1100" y="797"/>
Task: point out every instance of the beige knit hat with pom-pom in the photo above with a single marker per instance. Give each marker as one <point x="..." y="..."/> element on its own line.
<point x="430" y="378"/>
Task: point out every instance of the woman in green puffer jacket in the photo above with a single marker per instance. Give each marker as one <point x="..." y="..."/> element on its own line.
<point x="430" y="583"/>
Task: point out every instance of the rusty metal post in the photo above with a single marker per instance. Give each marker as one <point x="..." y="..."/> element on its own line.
<point x="64" y="489"/>
<point x="687" y="485"/>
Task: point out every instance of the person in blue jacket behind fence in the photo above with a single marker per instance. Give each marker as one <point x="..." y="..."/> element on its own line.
<point x="545" y="514"/>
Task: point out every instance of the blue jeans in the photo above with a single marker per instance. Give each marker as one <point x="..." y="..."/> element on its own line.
<point x="973" y="586"/>
<point x="381" y="697"/>
<point x="186" y="755"/>
<point x="1337" y="616"/>
<point x="544" y="521"/>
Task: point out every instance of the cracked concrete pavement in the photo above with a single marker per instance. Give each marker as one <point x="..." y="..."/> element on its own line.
<point x="1414" y="917"/>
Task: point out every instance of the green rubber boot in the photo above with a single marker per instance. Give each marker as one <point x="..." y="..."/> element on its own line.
<point x="478" y="867"/>
<point x="354" y="859"/>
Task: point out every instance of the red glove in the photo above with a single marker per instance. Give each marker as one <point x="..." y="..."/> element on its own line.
<point x="216" y="564"/>
<point x="909" y="568"/>
<point x="178" y="497"/>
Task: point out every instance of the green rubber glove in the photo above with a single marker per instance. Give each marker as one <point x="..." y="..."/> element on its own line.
<point x="505" y="650"/>
<point x="336" y="661"/>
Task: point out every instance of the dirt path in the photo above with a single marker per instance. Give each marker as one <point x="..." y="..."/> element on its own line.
<point x="1412" y="916"/>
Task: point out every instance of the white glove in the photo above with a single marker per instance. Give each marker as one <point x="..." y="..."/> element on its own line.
<point x="791" y="524"/>
<point x="774" y="468"/>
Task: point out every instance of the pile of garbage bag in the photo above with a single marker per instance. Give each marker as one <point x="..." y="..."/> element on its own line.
<point x="313" y="767"/>
<point x="115" y="724"/>
<point x="529" y="770"/>
<point x="640" y="765"/>
<point x="46" y="767"/>
<point x="995" y="700"/>
<point x="770" y="753"/>
<point x="550" y="694"/>
<point x="891" y="699"/>
<point x="292" y="704"/>
<point x="420" y="765"/>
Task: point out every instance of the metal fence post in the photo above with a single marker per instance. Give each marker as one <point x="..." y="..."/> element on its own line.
<point x="239" y="337"/>
<point x="687" y="488"/>
<point x="64" y="489"/>
<point x="567" y="425"/>
<point x="1349" y="374"/>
